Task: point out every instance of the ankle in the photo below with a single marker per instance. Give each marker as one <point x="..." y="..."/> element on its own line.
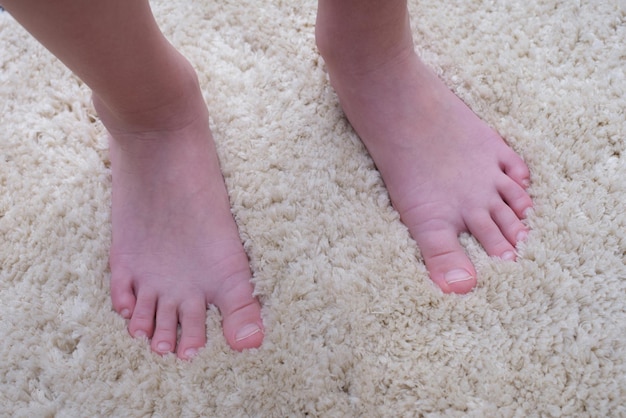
<point x="170" y="104"/>
<point x="358" y="48"/>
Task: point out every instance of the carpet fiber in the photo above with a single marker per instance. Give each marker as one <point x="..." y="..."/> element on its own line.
<point x="354" y="326"/>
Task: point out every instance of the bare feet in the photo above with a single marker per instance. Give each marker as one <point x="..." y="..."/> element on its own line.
<point x="446" y="171"/>
<point x="175" y="245"/>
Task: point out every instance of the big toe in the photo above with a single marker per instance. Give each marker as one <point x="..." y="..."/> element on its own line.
<point x="241" y="315"/>
<point x="122" y="295"/>
<point x="446" y="261"/>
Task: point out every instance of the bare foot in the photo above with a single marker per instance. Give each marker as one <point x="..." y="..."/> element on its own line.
<point x="446" y="171"/>
<point x="175" y="245"/>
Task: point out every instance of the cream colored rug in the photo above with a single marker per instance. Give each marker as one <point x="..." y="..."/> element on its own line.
<point x="354" y="326"/>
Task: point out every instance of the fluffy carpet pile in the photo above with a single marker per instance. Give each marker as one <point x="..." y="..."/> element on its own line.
<point x="354" y="326"/>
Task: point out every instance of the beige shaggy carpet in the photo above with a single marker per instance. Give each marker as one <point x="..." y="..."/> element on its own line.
<point x="354" y="326"/>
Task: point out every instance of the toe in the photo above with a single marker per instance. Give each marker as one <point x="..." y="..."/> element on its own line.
<point x="445" y="259"/>
<point x="514" y="167"/>
<point x="509" y="224"/>
<point x="241" y="314"/>
<point x="122" y="295"/>
<point x="193" y="328"/>
<point x="515" y="196"/>
<point x="488" y="233"/>
<point x="164" y="337"/>
<point x="142" y="321"/>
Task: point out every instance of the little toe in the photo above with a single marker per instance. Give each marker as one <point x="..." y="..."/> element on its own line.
<point x="446" y="261"/>
<point x="516" y="168"/>
<point x="122" y="296"/>
<point x="193" y="328"/>
<point x="241" y="315"/>
<point x="164" y="337"/>
<point x="142" y="321"/>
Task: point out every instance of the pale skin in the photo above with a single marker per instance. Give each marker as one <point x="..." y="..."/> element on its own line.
<point x="176" y="247"/>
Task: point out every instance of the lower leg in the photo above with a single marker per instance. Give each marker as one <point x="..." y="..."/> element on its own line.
<point x="175" y="245"/>
<point x="446" y="171"/>
<point x="115" y="47"/>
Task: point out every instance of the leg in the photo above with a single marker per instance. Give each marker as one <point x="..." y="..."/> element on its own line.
<point x="175" y="245"/>
<point x="446" y="171"/>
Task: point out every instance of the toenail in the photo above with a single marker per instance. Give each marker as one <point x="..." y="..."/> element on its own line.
<point x="191" y="352"/>
<point x="125" y="313"/>
<point x="140" y="334"/>
<point x="526" y="212"/>
<point x="164" y="347"/>
<point x="526" y="183"/>
<point x="247" y="331"/>
<point x="521" y="236"/>
<point x="508" y="255"/>
<point x="457" y="275"/>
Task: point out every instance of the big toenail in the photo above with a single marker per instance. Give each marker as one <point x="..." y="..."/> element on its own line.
<point x="247" y="331"/>
<point x="521" y="236"/>
<point x="508" y="255"/>
<point x="457" y="275"/>
<point x="164" y="347"/>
